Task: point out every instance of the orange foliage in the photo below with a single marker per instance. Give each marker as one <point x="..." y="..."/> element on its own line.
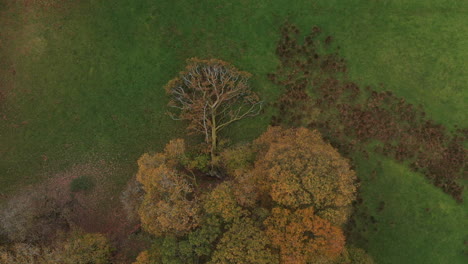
<point x="288" y="193"/>
<point x="168" y="205"/>
<point x="302" y="236"/>
<point x="297" y="168"/>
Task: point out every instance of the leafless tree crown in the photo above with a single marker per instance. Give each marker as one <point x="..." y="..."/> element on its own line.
<point x="211" y="94"/>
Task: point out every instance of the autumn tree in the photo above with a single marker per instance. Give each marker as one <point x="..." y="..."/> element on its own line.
<point x="238" y="162"/>
<point x="83" y="248"/>
<point x="298" y="169"/>
<point x="284" y="200"/>
<point x="196" y="247"/>
<point x="222" y="202"/>
<point x="169" y="205"/>
<point x="165" y="250"/>
<point x="303" y="237"/>
<point x="237" y="158"/>
<point x="244" y="243"/>
<point x="203" y="238"/>
<point x="211" y="94"/>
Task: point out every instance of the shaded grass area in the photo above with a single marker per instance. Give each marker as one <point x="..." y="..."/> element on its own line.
<point x="91" y="86"/>
<point x="404" y="219"/>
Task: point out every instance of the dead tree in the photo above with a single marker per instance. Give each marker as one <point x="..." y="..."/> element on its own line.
<point x="211" y="94"/>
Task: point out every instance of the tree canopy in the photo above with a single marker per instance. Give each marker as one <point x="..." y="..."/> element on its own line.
<point x="284" y="200"/>
<point x="303" y="237"/>
<point x="244" y="243"/>
<point x="168" y="205"/>
<point x="297" y="168"/>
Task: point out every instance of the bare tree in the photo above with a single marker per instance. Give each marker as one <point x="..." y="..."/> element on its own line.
<point x="211" y="94"/>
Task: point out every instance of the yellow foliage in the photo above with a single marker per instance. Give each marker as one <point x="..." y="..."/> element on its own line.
<point x="145" y="258"/>
<point x="244" y="243"/>
<point x="221" y="201"/>
<point x="86" y="248"/>
<point x="146" y="163"/>
<point x="168" y="205"/>
<point x="237" y="158"/>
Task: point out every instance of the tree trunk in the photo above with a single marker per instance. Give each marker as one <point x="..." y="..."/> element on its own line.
<point x="213" y="138"/>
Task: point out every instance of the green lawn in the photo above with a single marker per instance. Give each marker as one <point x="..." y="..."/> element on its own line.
<point x="91" y="86"/>
<point x="417" y="222"/>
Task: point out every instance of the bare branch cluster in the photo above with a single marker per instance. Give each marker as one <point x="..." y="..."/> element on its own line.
<point x="211" y="94"/>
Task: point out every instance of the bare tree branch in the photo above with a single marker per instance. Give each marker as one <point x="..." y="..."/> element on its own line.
<point x="211" y="94"/>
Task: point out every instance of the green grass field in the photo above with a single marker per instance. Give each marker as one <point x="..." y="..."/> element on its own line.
<point x="89" y="79"/>
<point x="417" y="222"/>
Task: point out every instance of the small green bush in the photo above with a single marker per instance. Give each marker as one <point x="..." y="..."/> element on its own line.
<point x="82" y="183"/>
<point x="200" y="162"/>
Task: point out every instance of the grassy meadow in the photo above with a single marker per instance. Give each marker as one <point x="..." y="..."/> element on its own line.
<point x="84" y="81"/>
